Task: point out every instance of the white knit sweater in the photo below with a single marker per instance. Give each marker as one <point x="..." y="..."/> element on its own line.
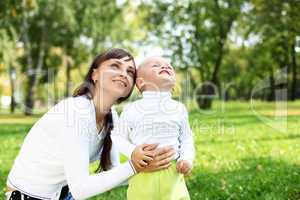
<point x="58" y="150"/>
<point x="155" y="118"/>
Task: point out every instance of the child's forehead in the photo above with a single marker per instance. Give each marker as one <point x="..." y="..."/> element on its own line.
<point x="156" y="59"/>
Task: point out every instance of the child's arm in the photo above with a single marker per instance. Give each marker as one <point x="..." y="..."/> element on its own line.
<point x="120" y="137"/>
<point x="114" y="156"/>
<point x="187" y="149"/>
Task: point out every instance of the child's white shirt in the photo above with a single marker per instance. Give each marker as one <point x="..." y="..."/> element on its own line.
<point x="155" y="118"/>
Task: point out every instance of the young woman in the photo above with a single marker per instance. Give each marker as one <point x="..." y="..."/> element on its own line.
<point x="57" y="151"/>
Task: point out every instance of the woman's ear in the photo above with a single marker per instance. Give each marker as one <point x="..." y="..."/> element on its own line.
<point x="94" y="75"/>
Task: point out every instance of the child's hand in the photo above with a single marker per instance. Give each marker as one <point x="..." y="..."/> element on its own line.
<point x="184" y="167"/>
<point x="140" y="157"/>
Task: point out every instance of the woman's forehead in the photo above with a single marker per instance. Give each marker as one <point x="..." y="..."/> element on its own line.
<point x="121" y="60"/>
<point x="127" y="61"/>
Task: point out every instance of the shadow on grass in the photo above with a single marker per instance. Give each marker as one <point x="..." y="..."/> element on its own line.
<point x="281" y="137"/>
<point x="10" y="130"/>
<point x="19" y="116"/>
<point x="238" y="118"/>
<point x="241" y="120"/>
<point x="255" y="178"/>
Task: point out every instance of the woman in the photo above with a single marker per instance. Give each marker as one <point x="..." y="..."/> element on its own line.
<point x="59" y="147"/>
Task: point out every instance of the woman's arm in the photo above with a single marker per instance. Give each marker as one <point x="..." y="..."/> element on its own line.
<point x="74" y="141"/>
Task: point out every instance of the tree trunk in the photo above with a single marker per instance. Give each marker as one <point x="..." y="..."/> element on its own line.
<point x="271" y="96"/>
<point x="12" y="79"/>
<point x="33" y="75"/>
<point x="207" y="92"/>
<point x="294" y="73"/>
<point x="68" y="78"/>
<point x="55" y="91"/>
<point x="29" y="99"/>
<point x="30" y="71"/>
<point x="205" y="95"/>
<point x="215" y="79"/>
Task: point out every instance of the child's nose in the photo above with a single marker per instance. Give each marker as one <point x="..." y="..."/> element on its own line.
<point x="166" y="66"/>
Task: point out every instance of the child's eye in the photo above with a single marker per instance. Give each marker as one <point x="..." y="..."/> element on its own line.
<point x="155" y="65"/>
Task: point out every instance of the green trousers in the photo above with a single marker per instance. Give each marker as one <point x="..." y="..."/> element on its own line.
<point x="165" y="184"/>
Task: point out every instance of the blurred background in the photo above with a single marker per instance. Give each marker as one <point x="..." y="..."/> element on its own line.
<point x="238" y="71"/>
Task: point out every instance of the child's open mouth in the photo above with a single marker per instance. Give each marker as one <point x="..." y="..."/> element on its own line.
<point x="165" y="71"/>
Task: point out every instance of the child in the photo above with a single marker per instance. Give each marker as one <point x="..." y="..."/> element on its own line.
<point x="156" y="118"/>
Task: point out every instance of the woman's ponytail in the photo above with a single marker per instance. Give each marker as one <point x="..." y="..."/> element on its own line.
<point x="105" y="161"/>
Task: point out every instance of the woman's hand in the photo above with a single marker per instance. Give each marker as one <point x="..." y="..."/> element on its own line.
<point x="161" y="159"/>
<point x="143" y="154"/>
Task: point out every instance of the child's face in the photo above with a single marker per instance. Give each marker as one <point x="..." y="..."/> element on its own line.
<point x="156" y="73"/>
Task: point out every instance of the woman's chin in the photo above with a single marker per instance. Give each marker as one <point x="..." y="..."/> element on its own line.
<point x="118" y="93"/>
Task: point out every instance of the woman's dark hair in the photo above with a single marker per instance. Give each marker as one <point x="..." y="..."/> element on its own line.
<point x="87" y="88"/>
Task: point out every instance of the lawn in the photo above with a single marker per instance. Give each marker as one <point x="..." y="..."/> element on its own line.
<point x="243" y="151"/>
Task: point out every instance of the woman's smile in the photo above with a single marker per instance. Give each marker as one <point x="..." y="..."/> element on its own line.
<point x="121" y="82"/>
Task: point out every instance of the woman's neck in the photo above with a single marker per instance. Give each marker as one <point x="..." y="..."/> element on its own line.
<point x="103" y="104"/>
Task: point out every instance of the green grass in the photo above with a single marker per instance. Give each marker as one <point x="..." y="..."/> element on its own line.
<point x="243" y="152"/>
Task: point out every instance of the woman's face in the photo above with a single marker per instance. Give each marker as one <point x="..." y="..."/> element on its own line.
<point x="115" y="76"/>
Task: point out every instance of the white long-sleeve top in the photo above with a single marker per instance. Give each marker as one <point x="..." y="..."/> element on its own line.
<point x="58" y="150"/>
<point x="155" y="118"/>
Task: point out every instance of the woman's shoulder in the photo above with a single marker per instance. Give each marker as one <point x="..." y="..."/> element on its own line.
<point x="80" y="100"/>
<point x="73" y="105"/>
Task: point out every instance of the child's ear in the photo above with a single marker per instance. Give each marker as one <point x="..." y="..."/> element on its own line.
<point x="140" y="83"/>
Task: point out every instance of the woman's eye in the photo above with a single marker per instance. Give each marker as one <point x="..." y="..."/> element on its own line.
<point x="131" y="73"/>
<point x="114" y="66"/>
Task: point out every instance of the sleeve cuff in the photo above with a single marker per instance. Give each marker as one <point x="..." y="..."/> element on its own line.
<point x="130" y="150"/>
<point x="132" y="167"/>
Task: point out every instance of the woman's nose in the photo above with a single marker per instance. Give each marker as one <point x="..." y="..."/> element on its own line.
<point x="123" y="73"/>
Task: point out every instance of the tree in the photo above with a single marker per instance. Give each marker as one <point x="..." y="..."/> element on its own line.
<point x="9" y="56"/>
<point x="277" y="24"/>
<point x="79" y="28"/>
<point x="196" y="31"/>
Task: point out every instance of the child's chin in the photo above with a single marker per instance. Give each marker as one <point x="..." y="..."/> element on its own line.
<point x="168" y="80"/>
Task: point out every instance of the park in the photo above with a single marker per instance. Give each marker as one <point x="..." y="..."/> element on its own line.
<point x="237" y="72"/>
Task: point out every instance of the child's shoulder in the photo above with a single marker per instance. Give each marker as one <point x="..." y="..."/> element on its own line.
<point x="176" y="106"/>
<point x="130" y="106"/>
<point x="179" y="104"/>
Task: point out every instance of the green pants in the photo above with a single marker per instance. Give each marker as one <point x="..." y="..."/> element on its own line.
<point x="166" y="184"/>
